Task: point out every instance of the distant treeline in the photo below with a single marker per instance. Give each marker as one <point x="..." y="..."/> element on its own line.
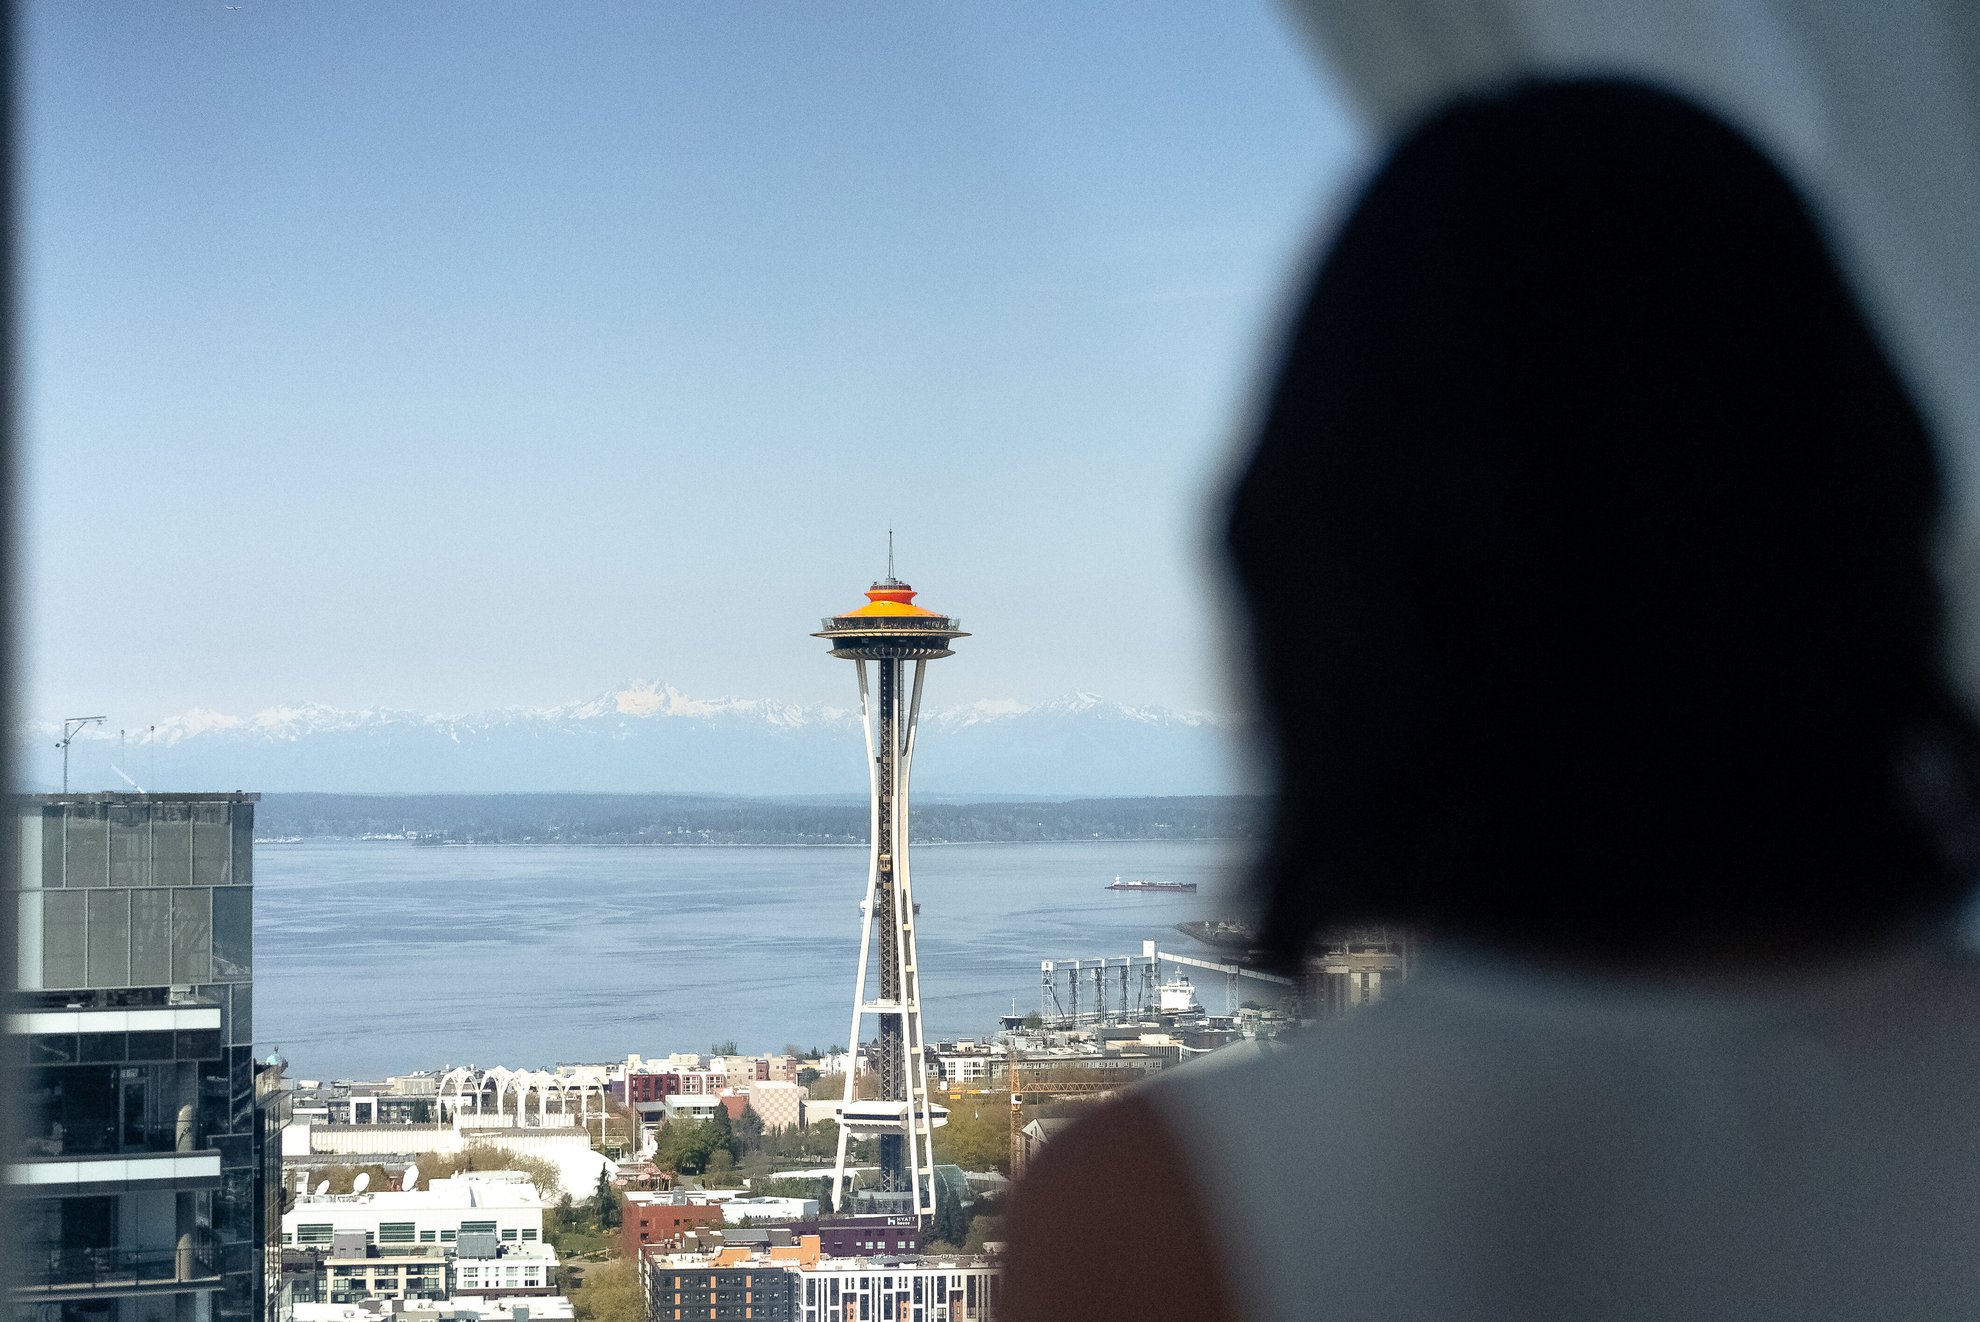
<point x="675" y="819"/>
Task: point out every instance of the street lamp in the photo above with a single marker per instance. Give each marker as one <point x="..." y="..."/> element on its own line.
<point x="69" y="727"/>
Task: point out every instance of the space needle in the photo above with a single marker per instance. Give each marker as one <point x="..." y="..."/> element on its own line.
<point x="882" y="638"/>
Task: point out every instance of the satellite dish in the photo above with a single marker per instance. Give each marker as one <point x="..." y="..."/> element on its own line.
<point x="411" y="1181"/>
<point x="362" y="1182"/>
<point x="322" y="1187"/>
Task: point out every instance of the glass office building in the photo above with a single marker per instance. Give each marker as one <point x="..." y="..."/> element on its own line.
<point x="146" y="1187"/>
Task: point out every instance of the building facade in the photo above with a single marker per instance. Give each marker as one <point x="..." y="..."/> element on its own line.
<point x="767" y="1210"/>
<point x="869" y="1236"/>
<point x="756" y="1291"/>
<point x="730" y="1284"/>
<point x="914" y="1289"/>
<point x="440" y="1214"/>
<point x="147" y="1182"/>
<point x="659" y="1219"/>
<point x="351" y="1271"/>
<point x="777" y="1104"/>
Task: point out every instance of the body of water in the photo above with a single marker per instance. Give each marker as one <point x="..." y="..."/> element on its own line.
<point x="376" y="957"/>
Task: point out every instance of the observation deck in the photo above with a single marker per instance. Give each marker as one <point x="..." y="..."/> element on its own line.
<point x="890" y="627"/>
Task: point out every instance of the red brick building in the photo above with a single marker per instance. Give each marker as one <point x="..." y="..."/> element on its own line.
<point x="647" y="1220"/>
<point x="651" y="1087"/>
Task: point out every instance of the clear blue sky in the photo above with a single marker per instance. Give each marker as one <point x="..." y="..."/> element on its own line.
<point x="449" y="355"/>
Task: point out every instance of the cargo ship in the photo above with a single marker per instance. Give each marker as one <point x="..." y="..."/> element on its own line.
<point x="1167" y="887"/>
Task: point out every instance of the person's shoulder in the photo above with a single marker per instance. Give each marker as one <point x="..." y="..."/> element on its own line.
<point x="1065" y="1262"/>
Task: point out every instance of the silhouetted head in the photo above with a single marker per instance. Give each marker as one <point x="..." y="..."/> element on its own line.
<point x="1586" y="548"/>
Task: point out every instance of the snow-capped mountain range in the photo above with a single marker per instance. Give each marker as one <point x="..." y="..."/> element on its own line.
<point x="650" y="737"/>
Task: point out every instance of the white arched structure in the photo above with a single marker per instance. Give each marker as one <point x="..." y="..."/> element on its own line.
<point x="566" y="1097"/>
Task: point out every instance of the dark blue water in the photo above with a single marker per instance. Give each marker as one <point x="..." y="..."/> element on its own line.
<point x="378" y="957"/>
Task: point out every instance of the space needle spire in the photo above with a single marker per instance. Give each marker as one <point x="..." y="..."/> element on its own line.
<point x="884" y="638"/>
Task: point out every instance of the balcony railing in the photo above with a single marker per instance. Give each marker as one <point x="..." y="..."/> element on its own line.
<point x="891" y="623"/>
<point x="108" y="1141"/>
<point x="118" y="1269"/>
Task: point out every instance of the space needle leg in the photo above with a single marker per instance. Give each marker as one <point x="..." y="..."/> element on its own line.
<point x="921" y="1121"/>
<point x="865" y="937"/>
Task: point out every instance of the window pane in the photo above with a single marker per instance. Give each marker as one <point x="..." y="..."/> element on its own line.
<point x="62" y="939"/>
<point x="52" y="1049"/>
<point x="219" y="996"/>
<point x="243" y="844"/>
<point x="232" y="932"/>
<point x="192" y="935"/>
<point x="171" y="845"/>
<point x="150" y="1046"/>
<point x="51" y="846"/>
<point x="28" y="934"/>
<point x="241" y="1024"/>
<point x="203" y="1044"/>
<point x="109" y="938"/>
<point x="213" y="845"/>
<point x="137" y="1105"/>
<point x="89" y="853"/>
<point x="151" y="938"/>
<point x="130" y="846"/>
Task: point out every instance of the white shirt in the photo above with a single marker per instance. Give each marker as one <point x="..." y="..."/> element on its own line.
<point x="1499" y="1141"/>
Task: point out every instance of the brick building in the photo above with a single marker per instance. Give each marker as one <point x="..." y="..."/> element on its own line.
<point x="647" y="1218"/>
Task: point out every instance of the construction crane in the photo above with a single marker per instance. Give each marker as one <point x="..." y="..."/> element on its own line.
<point x="1043" y="1089"/>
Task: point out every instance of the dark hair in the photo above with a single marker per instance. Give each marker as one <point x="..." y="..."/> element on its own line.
<point x="1586" y="546"/>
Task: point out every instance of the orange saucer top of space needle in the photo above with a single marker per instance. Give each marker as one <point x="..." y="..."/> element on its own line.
<point x="890" y="625"/>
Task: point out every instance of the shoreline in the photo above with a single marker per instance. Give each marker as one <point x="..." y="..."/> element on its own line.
<point x="740" y="844"/>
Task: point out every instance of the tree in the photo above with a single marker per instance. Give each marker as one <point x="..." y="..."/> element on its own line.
<point x="610" y="1293"/>
<point x="543" y="1174"/>
<point x="749" y="1131"/>
<point x="727" y="1048"/>
<point x="722" y="1132"/>
<point x="607" y="1210"/>
<point x="824" y="1087"/>
<point x="1034" y="1021"/>
<point x="977" y="1137"/>
<point x="982" y="1229"/>
<point x="687" y="1147"/>
<point x="951" y="1225"/>
<point x="807" y="1076"/>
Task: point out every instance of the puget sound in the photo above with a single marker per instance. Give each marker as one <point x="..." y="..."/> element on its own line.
<point x="379" y="957"/>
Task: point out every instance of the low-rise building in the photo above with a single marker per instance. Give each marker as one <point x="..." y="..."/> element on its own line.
<point x="727" y="1283"/>
<point x="654" y="1219"/>
<point x="462" y="1308"/>
<point x="352" y="1271"/>
<point x="947" y="1289"/>
<point x="692" y="1106"/>
<point x="486" y="1202"/>
<point x="816" y="1288"/>
<point x="484" y="1267"/>
<point x="1033" y="1137"/>
<point x="959" y="1067"/>
<point x="870" y="1236"/>
<point x="777" y="1105"/>
<point x="736" y="1211"/>
<point x="405" y="1274"/>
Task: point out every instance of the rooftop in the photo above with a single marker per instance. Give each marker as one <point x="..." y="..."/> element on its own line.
<point x="461" y="1308"/>
<point x="441" y="1195"/>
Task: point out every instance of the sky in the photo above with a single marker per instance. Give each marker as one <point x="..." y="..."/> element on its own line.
<point x="457" y="355"/>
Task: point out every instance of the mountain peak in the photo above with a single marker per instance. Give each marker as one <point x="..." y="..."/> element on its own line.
<point x="648" y="736"/>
